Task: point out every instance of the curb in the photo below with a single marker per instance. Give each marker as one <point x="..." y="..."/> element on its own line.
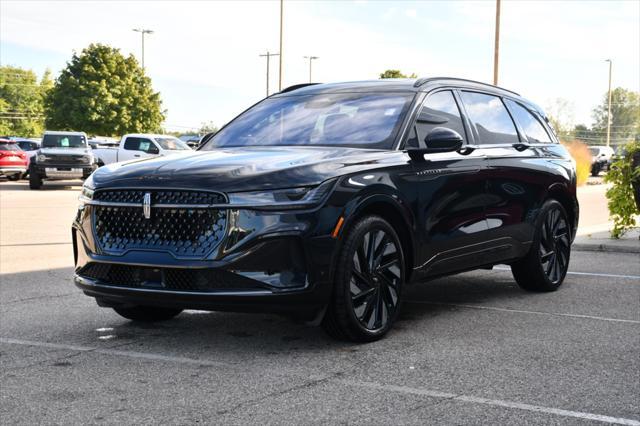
<point x="609" y="248"/>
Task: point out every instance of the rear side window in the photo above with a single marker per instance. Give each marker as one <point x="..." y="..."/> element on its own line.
<point x="140" y="144"/>
<point x="490" y="117"/>
<point x="439" y="110"/>
<point x="4" y="146"/>
<point x="528" y="122"/>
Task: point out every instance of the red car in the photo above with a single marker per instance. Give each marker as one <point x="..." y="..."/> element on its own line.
<point x="13" y="161"/>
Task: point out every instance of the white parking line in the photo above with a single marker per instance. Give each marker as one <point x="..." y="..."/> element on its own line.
<point x="592" y="274"/>
<point x="114" y="352"/>
<point x="493" y="402"/>
<point x="371" y="385"/>
<point x="520" y="311"/>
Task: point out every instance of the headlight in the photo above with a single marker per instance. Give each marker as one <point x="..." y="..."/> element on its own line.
<point x="86" y="195"/>
<point x="87" y="159"/>
<point x="41" y="158"/>
<point x="87" y="191"/>
<point x="280" y="199"/>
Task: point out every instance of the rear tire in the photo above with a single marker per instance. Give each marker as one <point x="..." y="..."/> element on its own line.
<point x="545" y="266"/>
<point x="14" y="177"/>
<point x="147" y="313"/>
<point x="368" y="283"/>
<point x="35" y="181"/>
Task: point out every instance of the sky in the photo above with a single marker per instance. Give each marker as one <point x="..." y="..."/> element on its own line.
<point x="204" y="59"/>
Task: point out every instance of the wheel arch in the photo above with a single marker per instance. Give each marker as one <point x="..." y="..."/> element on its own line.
<point x="399" y="217"/>
<point x="562" y="194"/>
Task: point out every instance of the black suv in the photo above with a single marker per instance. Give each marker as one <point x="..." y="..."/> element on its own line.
<point x="324" y="201"/>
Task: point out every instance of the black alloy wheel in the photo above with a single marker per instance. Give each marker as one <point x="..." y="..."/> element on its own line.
<point x="375" y="275"/>
<point x="368" y="284"/>
<point x="545" y="266"/>
<point x="554" y="246"/>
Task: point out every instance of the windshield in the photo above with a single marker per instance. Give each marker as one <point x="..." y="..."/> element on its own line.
<point x="367" y="120"/>
<point x="5" y="146"/>
<point x="594" y="151"/>
<point x="172" y="144"/>
<point x="64" y="141"/>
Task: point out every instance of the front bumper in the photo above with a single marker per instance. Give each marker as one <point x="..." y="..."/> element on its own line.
<point x="62" y="171"/>
<point x="267" y="262"/>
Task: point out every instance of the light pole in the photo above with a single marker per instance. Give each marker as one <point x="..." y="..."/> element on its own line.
<point x="142" y="33"/>
<point x="268" y="56"/>
<point x="496" y="46"/>
<point x="609" y="108"/>
<point x="311" y="58"/>
<point x="280" y="67"/>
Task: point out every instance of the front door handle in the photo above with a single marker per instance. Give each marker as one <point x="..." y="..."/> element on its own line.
<point x="136" y="155"/>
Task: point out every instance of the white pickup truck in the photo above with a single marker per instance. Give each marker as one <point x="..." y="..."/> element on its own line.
<point x="135" y="146"/>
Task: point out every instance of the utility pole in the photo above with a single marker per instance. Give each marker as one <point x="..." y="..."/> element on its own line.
<point x="311" y="58"/>
<point x="268" y="56"/>
<point x="142" y="32"/>
<point x="496" y="48"/>
<point x="280" y="68"/>
<point x="609" y="108"/>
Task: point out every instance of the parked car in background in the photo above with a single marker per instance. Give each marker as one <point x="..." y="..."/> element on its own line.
<point x="601" y="159"/>
<point x="62" y="155"/>
<point x="135" y="146"/>
<point x="324" y="202"/>
<point x="103" y="143"/>
<point x="192" y="140"/>
<point x="13" y="161"/>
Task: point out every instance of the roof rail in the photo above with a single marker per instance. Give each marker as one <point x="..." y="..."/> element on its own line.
<point x="296" y="87"/>
<point x="422" y="81"/>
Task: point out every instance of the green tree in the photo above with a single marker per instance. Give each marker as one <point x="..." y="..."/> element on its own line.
<point x="21" y="101"/>
<point x="625" y="116"/>
<point x="104" y="93"/>
<point x="207" y="127"/>
<point x="396" y="74"/>
<point x="560" y="113"/>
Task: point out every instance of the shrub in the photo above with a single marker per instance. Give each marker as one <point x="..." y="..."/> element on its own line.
<point x="622" y="202"/>
<point x="582" y="156"/>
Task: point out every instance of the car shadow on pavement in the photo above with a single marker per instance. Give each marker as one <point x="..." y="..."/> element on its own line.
<point x="48" y="300"/>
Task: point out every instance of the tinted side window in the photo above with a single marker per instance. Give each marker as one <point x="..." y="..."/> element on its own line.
<point x="528" y="122"/>
<point x="439" y="110"/>
<point x="132" y="144"/>
<point x="140" y="144"/>
<point x="490" y="117"/>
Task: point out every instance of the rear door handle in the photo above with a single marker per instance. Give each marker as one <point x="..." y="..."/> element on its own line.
<point x="136" y="155"/>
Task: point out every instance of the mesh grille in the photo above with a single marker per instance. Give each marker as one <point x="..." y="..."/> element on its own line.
<point x="183" y="232"/>
<point x="167" y="278"/>
<point x="160" y="197"/>
<point x="65" y="159"/>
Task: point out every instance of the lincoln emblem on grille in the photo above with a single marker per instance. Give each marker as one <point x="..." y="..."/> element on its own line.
<point x="146" y="205"/>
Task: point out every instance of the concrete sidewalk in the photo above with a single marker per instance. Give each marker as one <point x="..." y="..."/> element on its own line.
<point x="602" y="241"/>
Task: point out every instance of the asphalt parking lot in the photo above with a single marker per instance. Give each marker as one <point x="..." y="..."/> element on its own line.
<point x="468" y="349"/>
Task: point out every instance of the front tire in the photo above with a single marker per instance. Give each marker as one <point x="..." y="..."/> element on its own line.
<point x="14" y="177"/>
<point x="368" y="283"/>
<point x="35" y="181"/>
<point x="545" y="266"/>
<point x="147" y="313"/>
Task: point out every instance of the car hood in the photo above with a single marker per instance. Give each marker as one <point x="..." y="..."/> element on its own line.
<point x="244" y="169"/>
<point x="65" y="151"/>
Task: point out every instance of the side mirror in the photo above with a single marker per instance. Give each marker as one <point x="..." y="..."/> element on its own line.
<point x="438" y="140"/>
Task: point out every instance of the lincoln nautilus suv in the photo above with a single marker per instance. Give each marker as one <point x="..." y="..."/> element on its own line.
<point x="325" y="201"/>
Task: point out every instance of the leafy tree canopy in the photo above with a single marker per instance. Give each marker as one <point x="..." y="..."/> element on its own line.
<point x="625" y="116"/>
<point x="103" y="93"/>
<point x="22" y="101"/>
<point x="396" y="74"/>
